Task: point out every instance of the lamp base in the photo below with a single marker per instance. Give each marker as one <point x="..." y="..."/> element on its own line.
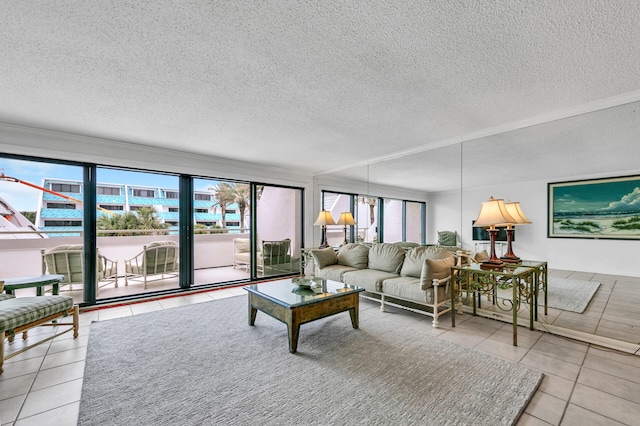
<point x="510" y="259"/>
<point x="492" y="264"/>
<point x="325" y="245"/>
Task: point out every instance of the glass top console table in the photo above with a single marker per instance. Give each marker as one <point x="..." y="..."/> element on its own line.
<point x="520" y="279"/>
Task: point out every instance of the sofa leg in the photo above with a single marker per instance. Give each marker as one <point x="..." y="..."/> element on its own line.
<point x="382" y="307"/>
<point x="435" y="323"/>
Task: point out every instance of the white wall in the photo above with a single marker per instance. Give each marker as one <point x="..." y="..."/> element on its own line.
<point x="615" y="257"/>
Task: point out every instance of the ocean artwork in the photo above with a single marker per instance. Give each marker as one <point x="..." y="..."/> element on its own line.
<point x="597" y="208"/>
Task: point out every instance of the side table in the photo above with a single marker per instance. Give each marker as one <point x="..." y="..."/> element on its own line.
<point x="37" y="281"/>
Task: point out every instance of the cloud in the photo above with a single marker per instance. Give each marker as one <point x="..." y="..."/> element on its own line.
<point x="21" y="198"/>
<point x="628" y="203"/>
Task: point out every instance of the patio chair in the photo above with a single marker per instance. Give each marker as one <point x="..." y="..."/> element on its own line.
<point x="159" y="258"/>
<point x="68" y="260"/>
<point x="242" y="253"/>
<point x="275" y="255"/>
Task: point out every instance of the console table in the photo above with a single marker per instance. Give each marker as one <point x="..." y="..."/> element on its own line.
<point x="475" y="281"/>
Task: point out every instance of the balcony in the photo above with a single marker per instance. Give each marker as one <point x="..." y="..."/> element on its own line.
<point x="213" y="262"/>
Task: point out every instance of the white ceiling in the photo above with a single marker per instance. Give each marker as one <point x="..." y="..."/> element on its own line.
<point x="331" y="86"/>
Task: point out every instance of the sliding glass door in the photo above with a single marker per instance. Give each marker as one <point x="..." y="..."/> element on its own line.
<point x="278" y="230"/>
<point x="137" y="232"/>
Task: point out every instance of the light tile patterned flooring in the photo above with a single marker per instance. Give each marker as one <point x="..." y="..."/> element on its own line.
<point x="583" y="384"/>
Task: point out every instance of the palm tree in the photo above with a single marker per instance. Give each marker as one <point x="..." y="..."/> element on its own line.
<point x="372" y="202"/>
<point x="242" y="199"/>
<point x="121" y="221"/>
<point x="145" y="218"/>
<point x="224" y="194"/>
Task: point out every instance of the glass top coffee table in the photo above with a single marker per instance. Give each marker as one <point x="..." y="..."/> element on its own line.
<point x="296" y="301"/>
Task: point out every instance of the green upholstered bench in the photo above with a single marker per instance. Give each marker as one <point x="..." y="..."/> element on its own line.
<point x="19" y="314"/>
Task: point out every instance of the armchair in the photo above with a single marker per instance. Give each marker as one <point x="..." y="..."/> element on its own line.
<point x="68" y="260"/>
<point x="242" y="253"/>
<point x="276" y="255"/>
<point x="157" y="258"/>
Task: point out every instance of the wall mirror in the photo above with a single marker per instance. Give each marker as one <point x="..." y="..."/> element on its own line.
<point x="596" y="144"/>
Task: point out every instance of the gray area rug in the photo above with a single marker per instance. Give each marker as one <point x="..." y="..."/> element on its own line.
<point x="203" y="365"/>
<point x="563" y="293"/>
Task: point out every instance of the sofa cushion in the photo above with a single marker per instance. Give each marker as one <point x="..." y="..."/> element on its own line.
<point x="324" y="257"/>
<point x="407" y="288"/>
<point x="241" y="245"/>
<point x="386" y="257"/>
<point x="19" y="311"/>
<point x="354" y="255"/>
<point x="414" y="259"/>
<point x="369" y="279"/>
<point x="436" y="269"/>
<point x="334" y="272"/>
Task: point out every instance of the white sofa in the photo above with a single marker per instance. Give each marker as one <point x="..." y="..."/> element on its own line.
<point x="416" y="278"/>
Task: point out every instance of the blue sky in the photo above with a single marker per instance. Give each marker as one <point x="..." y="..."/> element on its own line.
<point x="25" y="198"/>
<point x="618" y="195"/>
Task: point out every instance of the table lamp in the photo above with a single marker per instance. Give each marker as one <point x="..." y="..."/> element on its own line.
<point x="520" y="219"/>
<point x="492" y="213"/>
<point x="346" y="218"/>
<point x="324" y="219"/>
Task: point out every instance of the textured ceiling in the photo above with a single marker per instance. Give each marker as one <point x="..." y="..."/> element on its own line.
<point x="320" y="86"/>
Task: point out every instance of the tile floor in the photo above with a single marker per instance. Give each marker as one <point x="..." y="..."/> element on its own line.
<point x="583" y="384"/>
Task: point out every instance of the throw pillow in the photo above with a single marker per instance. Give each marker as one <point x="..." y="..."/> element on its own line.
<point x="435" y="269"/>
<point x="414" y="259"/>
<point x="354" y="255"/>
<point x="481" y="256"/>
<point x="447" y="238"/>
<point x="386" y="257"/>
<point x="324" y="257"/>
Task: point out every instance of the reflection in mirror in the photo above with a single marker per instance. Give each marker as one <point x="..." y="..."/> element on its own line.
<point x="517" y="165"/>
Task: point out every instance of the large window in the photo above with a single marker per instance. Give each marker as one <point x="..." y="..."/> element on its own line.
<point x="42" y="216"/>
<point x="279" y="230"/>
<point x="221" y="216"/>
<point x="138" y="246"/>
<point x="338" y="203"/>
<point x="53" y="212"/>
<point x="367" y="218"/>
<point x="401" y="220"/>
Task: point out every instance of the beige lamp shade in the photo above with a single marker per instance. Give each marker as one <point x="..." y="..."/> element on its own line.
<point x="324" y="219"/>
<point x="346" y="218"/>
<point x="493" y="212"/>
<point x="516" y="212"/>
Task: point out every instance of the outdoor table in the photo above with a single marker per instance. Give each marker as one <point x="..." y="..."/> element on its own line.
<point x="37" y="281"/>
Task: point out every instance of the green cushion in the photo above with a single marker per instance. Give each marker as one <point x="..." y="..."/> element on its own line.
<point x="447" y="238"/>
<point x="19" y="311"/>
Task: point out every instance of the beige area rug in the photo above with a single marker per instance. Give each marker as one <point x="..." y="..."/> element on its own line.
<point x="204" y="365"/>
<point x="563" y="293"/>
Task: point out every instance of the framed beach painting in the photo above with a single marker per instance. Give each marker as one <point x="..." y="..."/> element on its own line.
<point x="597" y="208"/>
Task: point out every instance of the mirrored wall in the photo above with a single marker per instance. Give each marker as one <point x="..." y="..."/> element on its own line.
<point x="517" y="165"/>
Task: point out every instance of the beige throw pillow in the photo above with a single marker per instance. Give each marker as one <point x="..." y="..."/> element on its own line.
<point x="435" y="269"/>
<point x="324" y="257"/>
<point x="414" y="259"/>
<point x="386" y="257"/>
<point x="481" y="256"/>
<point x="354" y="255"/>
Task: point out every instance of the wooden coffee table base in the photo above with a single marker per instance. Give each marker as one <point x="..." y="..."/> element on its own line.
<point x="297" y="315"/>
